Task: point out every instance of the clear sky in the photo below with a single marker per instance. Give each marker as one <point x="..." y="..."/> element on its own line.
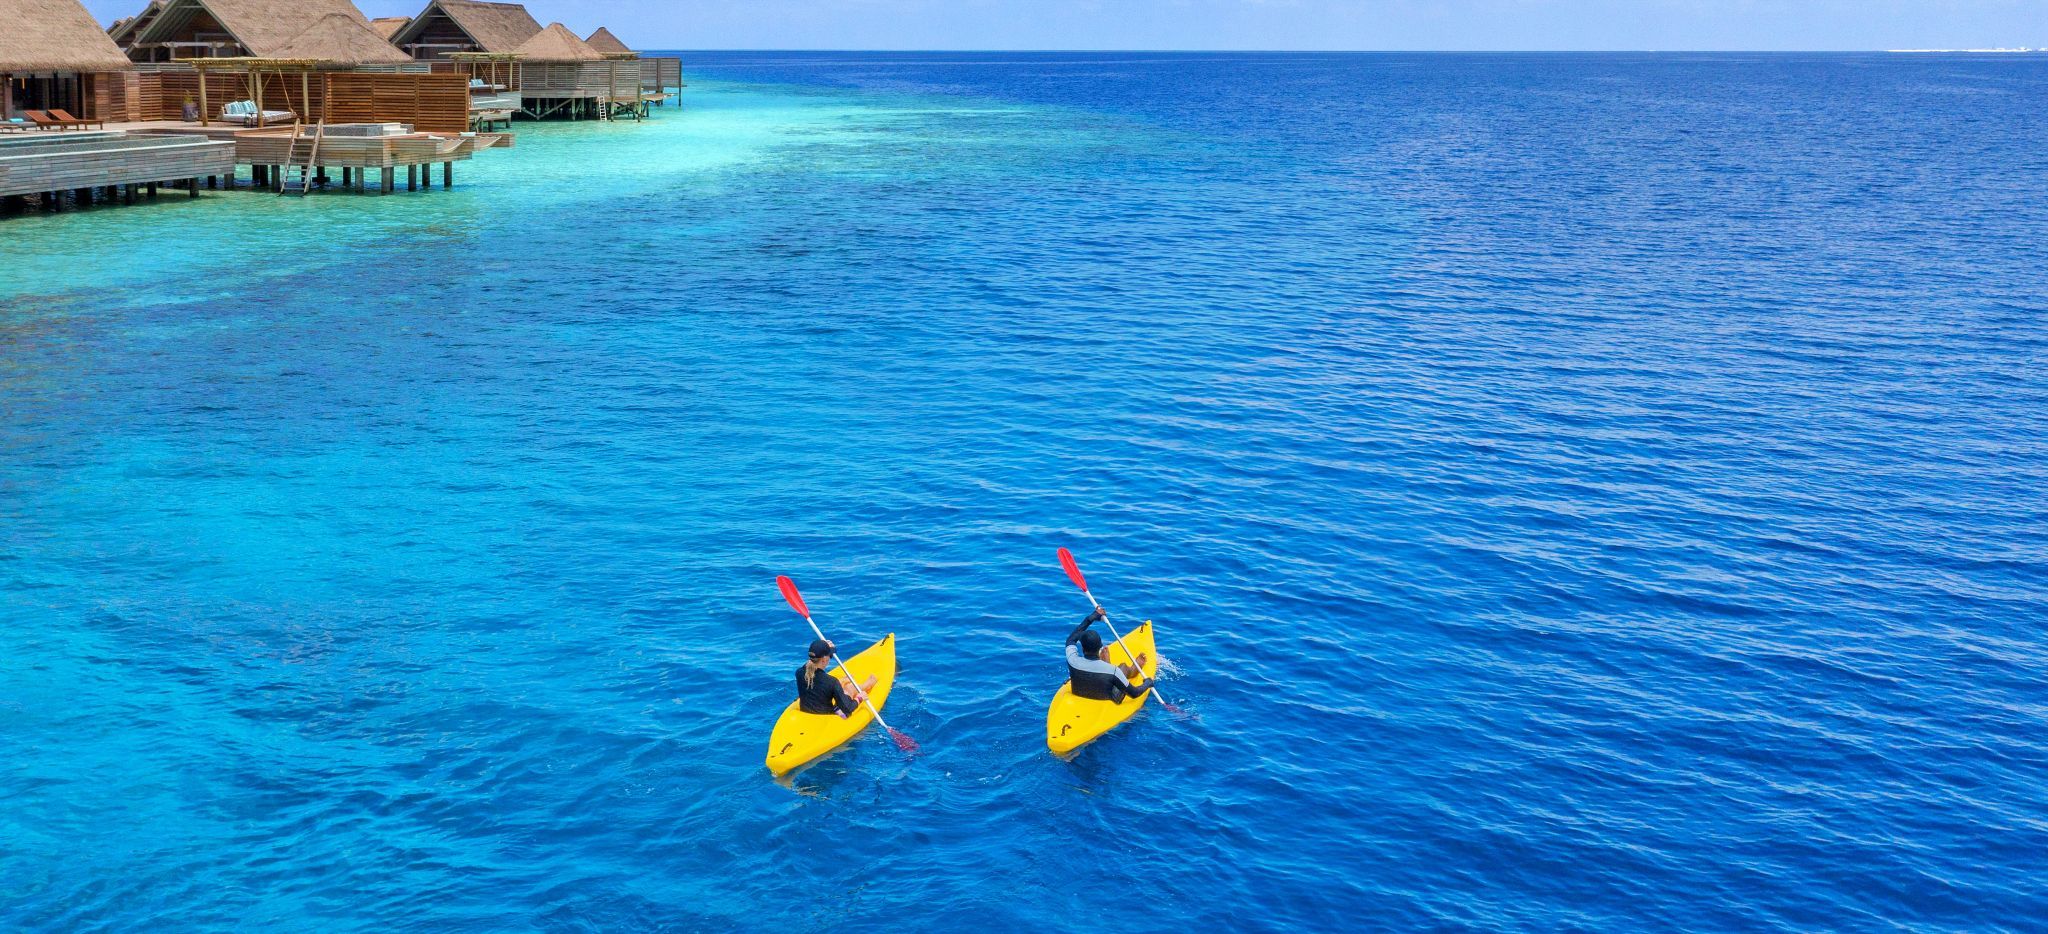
<point x="1284" y="24"/>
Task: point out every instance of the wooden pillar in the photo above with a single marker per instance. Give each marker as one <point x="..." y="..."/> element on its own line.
<point x="347" y="180"/>
<point x="447" y="174"/>
<point x="192" y="187"/>
<point x="412" y="177"/>
<point x="152" y="189"/>
<point x="83" y="196"/>
<point x="390" y="180"/>
<point x="128" y="194"/>
<point x="202" y="97"/>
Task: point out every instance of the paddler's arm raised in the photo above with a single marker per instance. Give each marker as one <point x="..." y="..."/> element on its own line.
<point x="1075" y="636"/>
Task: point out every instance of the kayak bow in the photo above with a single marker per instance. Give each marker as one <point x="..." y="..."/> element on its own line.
<point x="800" y="737"/>
<point x="1072" y="722"/>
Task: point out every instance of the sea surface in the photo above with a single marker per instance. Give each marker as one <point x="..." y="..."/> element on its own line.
<point x="1572" y="493"/>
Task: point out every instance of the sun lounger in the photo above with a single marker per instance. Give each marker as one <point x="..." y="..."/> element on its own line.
<point x="66" y="116"/>
<point x="15" y="124"/>
<point x="44" y="121"/>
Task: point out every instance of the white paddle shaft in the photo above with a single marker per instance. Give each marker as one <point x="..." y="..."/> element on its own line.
<point x="856" y="678"/>
<point x="1133" y="656"/>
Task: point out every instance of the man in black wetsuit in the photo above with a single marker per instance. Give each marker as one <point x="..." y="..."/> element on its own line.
<point x="821" y="693"/>
<point x="1095" y="677"/>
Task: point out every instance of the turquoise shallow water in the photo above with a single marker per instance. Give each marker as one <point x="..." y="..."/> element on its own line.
<point x="1590" y="492"/>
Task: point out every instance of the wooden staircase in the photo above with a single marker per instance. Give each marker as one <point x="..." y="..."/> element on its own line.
<point x="305" y="154"/>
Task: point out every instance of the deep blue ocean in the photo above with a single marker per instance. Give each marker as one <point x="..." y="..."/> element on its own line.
<point x="1601" y="492"/>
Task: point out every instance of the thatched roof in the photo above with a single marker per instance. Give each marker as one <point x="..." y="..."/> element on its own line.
<point x="343" y="41"/>
<point x="603" y="41"/>
<point x="557" y="44"/>
<point x="388" y="26"/>
<point x="55" y="35"/>
<point x="494" y="27"/>
<point x="123" y="30"/>
<point x="263" y="27"/>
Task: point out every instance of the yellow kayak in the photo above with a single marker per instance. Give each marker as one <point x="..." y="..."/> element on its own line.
<point x="1072" y="721"/>
<point x="800" y="737"/>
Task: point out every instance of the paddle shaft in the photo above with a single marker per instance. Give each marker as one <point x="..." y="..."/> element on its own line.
<point x="864" y="698"/>
<point x="1133" y="656"/>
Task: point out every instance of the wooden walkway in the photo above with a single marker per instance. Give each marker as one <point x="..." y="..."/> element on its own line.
<point x="108" y="165"/>
<point x="347" y="155"/>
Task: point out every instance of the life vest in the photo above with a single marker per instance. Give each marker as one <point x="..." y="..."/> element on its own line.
<point x="1094" y="678"/>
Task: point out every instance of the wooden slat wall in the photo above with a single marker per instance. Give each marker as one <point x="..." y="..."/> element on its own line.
<point x="123" y="96"/>
<point x="83" y="164"/>
<point x="580" y="79"/>
<point x="93" y="91"/>
<point x="274" y="148"/>
<point x="660" y="74"/>
<point x="167" y="91"/>
<point x="432" y="103"/>
<point x="149" y="97"/>
<point x="435" y="103"/>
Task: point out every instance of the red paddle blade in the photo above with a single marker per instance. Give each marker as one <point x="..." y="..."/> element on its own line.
<point x="903" y="742"/>
<point x="1073" y="570"/>
<point x="796" y="600"/>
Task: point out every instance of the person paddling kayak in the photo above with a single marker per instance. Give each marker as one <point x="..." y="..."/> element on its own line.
<point x="821" y="693"/>
<point x="1095" y="677"/>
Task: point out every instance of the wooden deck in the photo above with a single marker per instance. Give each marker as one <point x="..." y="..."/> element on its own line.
<point x="268" y="145"/>
<point x="343" y="160"/>
<point x="272" y="146"/>
<point x="43" y="163"/>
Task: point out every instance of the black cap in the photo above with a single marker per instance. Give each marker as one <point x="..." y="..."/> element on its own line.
<point x="820" y="648"/>
<point x="1091" y="642"/>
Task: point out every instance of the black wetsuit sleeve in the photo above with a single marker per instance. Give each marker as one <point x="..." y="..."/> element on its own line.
<point x="1075" y="636"/>
<point x="836" y="693"/>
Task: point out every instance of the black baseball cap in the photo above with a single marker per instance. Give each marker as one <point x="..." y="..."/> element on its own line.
<point x="820" y="648"/>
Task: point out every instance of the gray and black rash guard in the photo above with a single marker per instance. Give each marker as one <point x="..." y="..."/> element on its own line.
<point x="1097" y="678"/>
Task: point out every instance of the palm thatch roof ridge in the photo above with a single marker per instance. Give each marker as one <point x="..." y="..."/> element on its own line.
<point x="262" y="27"/>
<point x="124" y="29"/>
<point x="388" y="26"/>
<point x="557" y="44"/>
<point x="603" y="41"/>
<point x="494" y="27"/>
<point x="55" y="35"/>
<point x="341" y="40"/>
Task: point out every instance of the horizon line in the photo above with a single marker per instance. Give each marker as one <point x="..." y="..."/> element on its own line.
<point x="2015" y="50"/>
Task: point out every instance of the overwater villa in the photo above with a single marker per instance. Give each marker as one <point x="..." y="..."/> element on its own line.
<point x="603" y="41"/>
<point x="300" y="91"/>
<point x="61" y="80"/>
<point x="518" y="67"/>
<point x="560" y="74"/>
<point x="54" y="56"/>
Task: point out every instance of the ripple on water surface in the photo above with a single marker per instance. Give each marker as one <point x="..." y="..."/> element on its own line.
<point x="1586" y="491"/>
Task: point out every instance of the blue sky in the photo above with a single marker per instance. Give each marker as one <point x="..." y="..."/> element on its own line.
<point x="1285" y="24"/>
